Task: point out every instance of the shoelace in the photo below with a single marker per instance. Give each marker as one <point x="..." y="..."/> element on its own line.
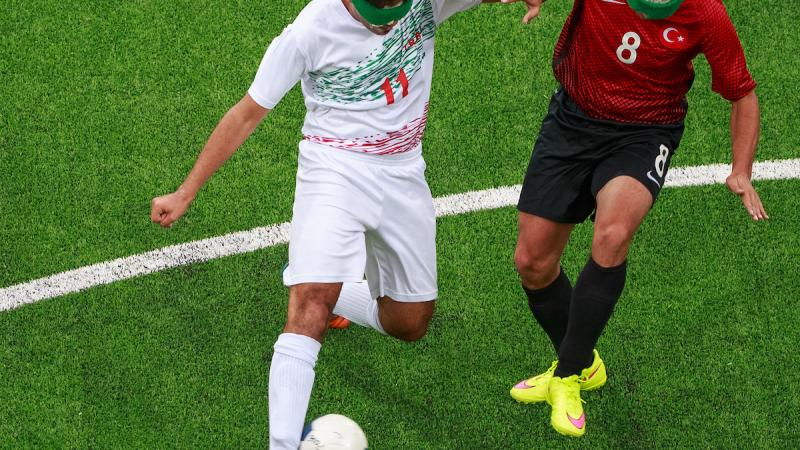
<point x="575" y="394"/>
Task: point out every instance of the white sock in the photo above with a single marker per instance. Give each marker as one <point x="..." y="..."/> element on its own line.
<point x="291" y="377"/>
<point x="356" y="304"/>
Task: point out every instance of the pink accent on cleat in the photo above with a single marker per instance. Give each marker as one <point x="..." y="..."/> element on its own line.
<point x="523" y="385"/>
<point x="578" y="423"/>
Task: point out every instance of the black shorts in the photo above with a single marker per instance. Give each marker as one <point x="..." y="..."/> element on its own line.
<point x="576" y="155"/>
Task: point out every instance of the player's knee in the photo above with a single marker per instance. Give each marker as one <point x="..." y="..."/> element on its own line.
<point x="527" y="263"/>
<point x="534" y="270"/>
<point x="410" y="328"/>
<point x="612" y="238"/>
<point x="522" y="259"/>
<point x="411" y="332"/>
<point x="409" y="336"/>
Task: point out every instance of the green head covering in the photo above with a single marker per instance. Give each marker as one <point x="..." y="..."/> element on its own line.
<point x="655" y="9"/>
<point x="381" y="16"/>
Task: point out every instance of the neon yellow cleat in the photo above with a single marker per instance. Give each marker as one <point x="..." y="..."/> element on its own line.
<point x="593" y="377"/>
<point x="534" y="390"/>
<point x="567" y="416"/>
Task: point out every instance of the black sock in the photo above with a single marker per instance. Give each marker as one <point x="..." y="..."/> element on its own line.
<point x="550" y="307"/>
<point x="593" y="298"/>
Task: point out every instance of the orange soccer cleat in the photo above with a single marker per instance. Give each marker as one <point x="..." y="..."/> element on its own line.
<point x="338" y="322"/>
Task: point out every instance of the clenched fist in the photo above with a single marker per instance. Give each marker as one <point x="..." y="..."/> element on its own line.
<point x="167" y="209"/>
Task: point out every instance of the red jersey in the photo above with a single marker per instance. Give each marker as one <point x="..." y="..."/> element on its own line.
<point x="618" y="66"/>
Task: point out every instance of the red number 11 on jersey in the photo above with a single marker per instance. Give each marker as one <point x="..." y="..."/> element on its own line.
<point x="387" y="86"/>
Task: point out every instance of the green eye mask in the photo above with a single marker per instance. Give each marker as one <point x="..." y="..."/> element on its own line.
<point x="655" y="9"/>
<point x="381" y="16"/>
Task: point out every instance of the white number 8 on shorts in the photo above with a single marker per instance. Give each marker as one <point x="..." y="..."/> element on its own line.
<point x="661" y="160"/>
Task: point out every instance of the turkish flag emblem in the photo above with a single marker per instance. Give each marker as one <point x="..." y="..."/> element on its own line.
<point x="674" y="37"/>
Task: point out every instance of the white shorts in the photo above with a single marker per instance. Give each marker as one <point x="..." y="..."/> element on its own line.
<point x="356" y="215"/>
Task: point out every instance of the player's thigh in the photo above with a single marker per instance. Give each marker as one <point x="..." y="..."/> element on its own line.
<point x="557" y="183"/>
<point x="542" y="238"/>
<point x="325" y="246"/>
<point x="623" y="201"/>
<point x="401" y="250"/>
<point x="622" y="205"/>
<point x="330" y="216"/>
<point x="628" y="182"/>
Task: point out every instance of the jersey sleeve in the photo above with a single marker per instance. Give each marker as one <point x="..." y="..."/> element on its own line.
<point x="443" y="9"/>
<point x="283" y="65"/>
<point x="723" y="50"/>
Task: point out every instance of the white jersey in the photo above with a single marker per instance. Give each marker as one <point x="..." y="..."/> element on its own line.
<point x="364" y="93"/>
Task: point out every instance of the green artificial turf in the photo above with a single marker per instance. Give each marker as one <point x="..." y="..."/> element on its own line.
<point x="104" y="105"/>
<point x="179" y="359"/>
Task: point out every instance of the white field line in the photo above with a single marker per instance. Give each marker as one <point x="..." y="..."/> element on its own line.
<point x="262" y="237"/>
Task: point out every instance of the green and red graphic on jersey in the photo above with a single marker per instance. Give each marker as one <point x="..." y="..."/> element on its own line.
<point x="387" y="69"/>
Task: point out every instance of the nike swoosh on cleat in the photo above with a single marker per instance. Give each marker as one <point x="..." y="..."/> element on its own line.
<point x="615" y="2"/>
<point x="578" y="423"/>
<point x="650" y="173"/>
<point x="524" y="385"/>
<point x="593" y="373"/>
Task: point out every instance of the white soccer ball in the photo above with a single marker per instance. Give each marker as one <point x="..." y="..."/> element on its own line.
<point x="333" y="432"/>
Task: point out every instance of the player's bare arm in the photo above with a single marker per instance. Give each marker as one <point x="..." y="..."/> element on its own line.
<point x="234" y="128"/>
<point x="533" y="6"/>
<point x="745" y="126"/>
